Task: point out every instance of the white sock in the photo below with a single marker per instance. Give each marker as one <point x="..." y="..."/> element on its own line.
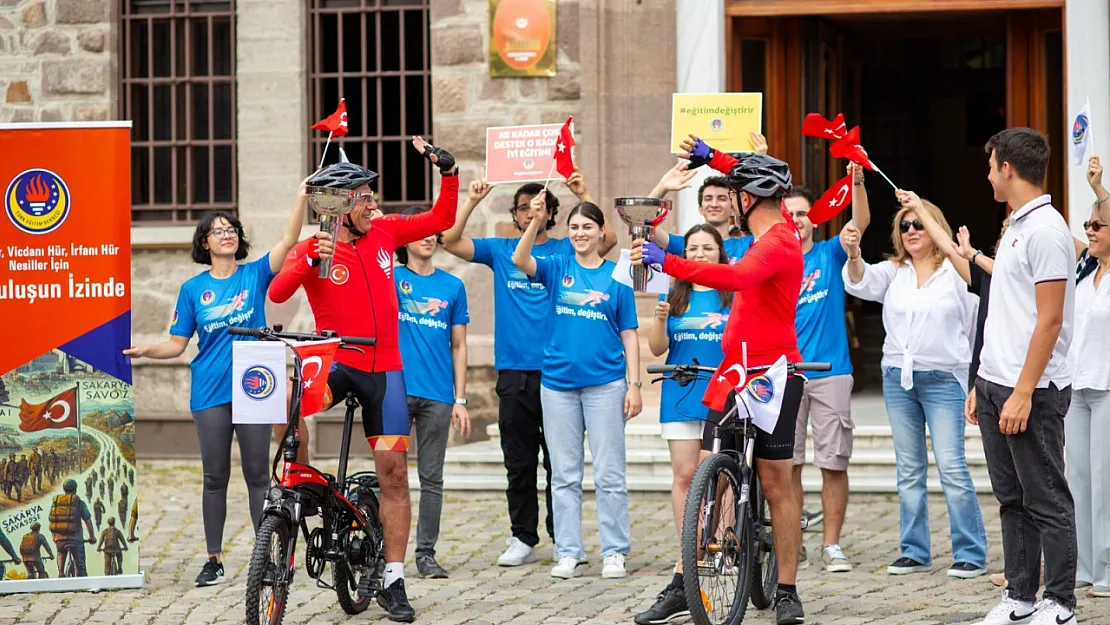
<point x="393" y="572"/>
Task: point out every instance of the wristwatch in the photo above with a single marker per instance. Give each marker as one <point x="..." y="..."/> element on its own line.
<point x="636" y="384"/>
<point x="460" y="401"/>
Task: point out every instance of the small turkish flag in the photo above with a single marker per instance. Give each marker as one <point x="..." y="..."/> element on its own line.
<point x="848" y="147"/>
<point x="817" y="126"/>
<point x="564" y="161"/>
<point x="57" y="412"/>
<point x="316" y="357"/>
<point x="832" y="202"/>
<point x="336" y="123"/>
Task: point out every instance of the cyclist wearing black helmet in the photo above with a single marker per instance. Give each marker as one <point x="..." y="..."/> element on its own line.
<point x="358" y="298"/>
<point x="766" y="283"/>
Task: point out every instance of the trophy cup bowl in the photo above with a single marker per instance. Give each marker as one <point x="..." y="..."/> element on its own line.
<point x="641" y="214"/>
<point x="330" y="204"/>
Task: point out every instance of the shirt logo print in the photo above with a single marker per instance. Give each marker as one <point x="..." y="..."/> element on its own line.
<point x="385" y="261"/>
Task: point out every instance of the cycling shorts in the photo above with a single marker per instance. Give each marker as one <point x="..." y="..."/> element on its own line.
<point x="385" y="408"/>
<point x="778" y="445"/>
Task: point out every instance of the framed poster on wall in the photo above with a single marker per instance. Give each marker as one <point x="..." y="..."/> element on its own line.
<point x="522" y="38"/>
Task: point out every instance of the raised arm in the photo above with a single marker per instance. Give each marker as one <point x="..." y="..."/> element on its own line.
<point x="406" y="229"/>
<point x="522" y="256"/>
<point x="454" y="241"/>
<point x="761" y="262"/>
<point x="292" y="229"/>
<point x="941" y="239"/>
<point x="970" y="254"/>
<point x="699" y="153"/>
<point x="298" y="263"/>
<point x="861" y="208"/>
<point x="677" y="178"/>
<point x="658" y="342"/>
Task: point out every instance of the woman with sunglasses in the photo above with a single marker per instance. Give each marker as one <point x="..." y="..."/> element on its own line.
<point x="229" y="293"/>
<point x="925" y="383"/>
<point x="590" y="382"/>
<point x="1087" y="426"/>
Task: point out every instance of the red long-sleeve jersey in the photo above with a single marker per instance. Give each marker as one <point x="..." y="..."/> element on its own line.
<point x="766" y="281"/>
<point x="359" y="297"/>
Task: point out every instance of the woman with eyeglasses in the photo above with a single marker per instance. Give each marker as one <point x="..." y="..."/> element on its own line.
<point x="1087" y="426"/>
<point x="929" y="319"/>
<point x="229" y="293"/>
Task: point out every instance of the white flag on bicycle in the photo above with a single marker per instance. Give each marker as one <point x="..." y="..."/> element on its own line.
<point x="762" y="395"/>
<point x="258" y="382"/>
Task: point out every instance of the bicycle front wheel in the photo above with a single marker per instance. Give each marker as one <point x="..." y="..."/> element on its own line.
<point x="717" y="545"/>
<point x="269" y="575"/>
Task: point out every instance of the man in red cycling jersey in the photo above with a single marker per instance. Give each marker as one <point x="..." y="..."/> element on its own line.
<point x="358" y="298"/>
<point x="766" y="281"/>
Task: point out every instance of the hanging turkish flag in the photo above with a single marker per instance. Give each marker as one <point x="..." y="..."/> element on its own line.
<point x="336" y="123"/>
<point x="848" y="147"/>
<point x="316" y="357"/>
<point x="815" y="125"/>
<point x="564" y="161"/>
<point x="57" y="412"/>
<point x="832" y="202"/>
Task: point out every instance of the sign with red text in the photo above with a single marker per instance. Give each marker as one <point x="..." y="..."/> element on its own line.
<point x="519" y="154"/>
<point x="68" y="504"/>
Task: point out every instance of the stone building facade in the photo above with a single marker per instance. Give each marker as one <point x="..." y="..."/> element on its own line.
<point x="59" y="61"/>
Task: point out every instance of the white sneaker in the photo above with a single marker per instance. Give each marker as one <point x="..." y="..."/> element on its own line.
<point x="835" y="560"/>
<point x="566" y="568"/>
<point x="1052" y="613"/>
<point x="614" y="567"/>
<point x="1010" y="612"/>
<point x="517" y="554"/>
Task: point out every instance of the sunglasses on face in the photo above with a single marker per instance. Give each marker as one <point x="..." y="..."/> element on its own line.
<point x="905" y="226"/>
<point x="1094" y="226"/>
<point x="369" y="198"/>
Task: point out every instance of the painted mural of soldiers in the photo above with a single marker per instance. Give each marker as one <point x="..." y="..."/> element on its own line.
<point x="9" y="477"/>
<point x="123" y="495"/>
<point x="101" y="489"/>
<point x="113" y="545"/>
<point x="131" y="476"/>
<point x="55" y="466"/>
<point x="111" y="488"/>
<point x="121" y="508"/>
<point x="22" y="476"/>
<point x="67" y="514"/>
<point x="37" y="470"/>
<point x="134" y="519"/>
<point x="98" y="512"/>
<point x="30" y="548"/>
<point x="89" y="487"/>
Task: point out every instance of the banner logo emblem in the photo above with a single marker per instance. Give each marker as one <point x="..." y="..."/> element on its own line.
<point x="405" y="286"/>
<point x="1079" y="130"/>
<point x="258" y="382"/>
<point x="37" y="201"/>
<point x="568" y="281"/>
<point x="174" y="321"/>
<point x="717" y="125"/>
<point x="207" y="297"/>
<point x="339" y="274"/>
<point x="761" y="389"/>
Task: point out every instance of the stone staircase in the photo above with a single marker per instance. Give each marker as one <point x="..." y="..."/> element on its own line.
<point x="479" y="466"/>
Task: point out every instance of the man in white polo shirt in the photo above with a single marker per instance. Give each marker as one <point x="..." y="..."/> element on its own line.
<point x="1024" y="385"/>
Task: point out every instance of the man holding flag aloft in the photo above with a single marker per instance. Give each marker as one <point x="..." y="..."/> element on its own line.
<point x="759" y="334"/>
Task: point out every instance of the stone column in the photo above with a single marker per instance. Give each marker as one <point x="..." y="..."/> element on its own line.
<point x="1088" y="66"/>
<point x="701" y="69"/>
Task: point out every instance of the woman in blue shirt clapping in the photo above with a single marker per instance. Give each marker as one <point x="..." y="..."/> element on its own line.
<point x="590" y="382"/>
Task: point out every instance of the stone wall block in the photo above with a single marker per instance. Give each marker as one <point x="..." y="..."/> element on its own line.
<point x="90" y="113"/>
<point x="451" y="92"/>
<point x="567" y="31"/>
<point x="92" y="40"/>
<point x="34" y="15"/>
<point x="18" y="93"/>
<point x="74" y="77"/>
<point x="566" y="85"/>
<point x="458" y="45"/>
<point x="53" y="42"/>
<point x="81" y="11"/>
<point x="440" y="9"/>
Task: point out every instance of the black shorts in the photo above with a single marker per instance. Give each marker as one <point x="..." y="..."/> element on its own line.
<point x="385" y="407"/>
<point x="778" y="445"/>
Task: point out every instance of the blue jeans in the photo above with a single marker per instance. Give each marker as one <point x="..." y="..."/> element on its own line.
<point x="936" y="399"/>
<point x="567" y="417"/>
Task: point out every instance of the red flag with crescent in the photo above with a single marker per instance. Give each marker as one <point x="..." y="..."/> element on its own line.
<point x="832" y="202"/>
<point x="849" y="147"/>
<point x="815" y="125"/>
<point x="336" y="123"/>
<point x="316" y="357"/>
<point x="57" y="412"/>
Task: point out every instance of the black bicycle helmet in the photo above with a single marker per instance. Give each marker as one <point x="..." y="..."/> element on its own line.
<point x="761" y="176"/>
<point x="343" y="176"/>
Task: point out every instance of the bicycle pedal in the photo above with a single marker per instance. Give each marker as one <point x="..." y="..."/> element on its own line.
<point x="366" y="587"/>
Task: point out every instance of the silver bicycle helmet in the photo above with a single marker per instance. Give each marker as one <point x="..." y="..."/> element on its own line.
<point x="343" y="176"/>
<point x="762" y="176"/>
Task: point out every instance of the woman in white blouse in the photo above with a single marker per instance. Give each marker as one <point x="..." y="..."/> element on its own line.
<point x="1087" y="426"/>
<point x="929" y="319"/>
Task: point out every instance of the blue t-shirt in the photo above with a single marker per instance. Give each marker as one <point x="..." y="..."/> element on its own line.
<point x="734" y="248"/>
<point x="428" y="307"/>
<point x="694" y="334"/>
<point x="521" y="325"/>
<point x="822" y="335"/>
<point x="589" y="310"/>
<point x="207" y="306"/>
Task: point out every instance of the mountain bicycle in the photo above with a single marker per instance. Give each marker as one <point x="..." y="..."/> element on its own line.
<point x="350" y="536"/>
<point x="726" y="526"/>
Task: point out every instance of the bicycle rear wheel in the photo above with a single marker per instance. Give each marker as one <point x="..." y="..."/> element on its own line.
<point x="269" y="575"/>
<point x="765" y="578"/>
<point x="717" y="546"/>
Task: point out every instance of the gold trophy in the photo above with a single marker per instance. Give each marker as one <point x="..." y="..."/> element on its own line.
<point x="330" y="205"/>
<point x="642" y="214"/>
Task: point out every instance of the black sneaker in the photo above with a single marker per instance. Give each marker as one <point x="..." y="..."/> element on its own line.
<point x="427" y="567"/>
<point x="905" y="566"/>
<point x="966" y="570"/>
<point x="211" y="574"/>
<point x="788" y="609"/>
<point x="669" y="605"/>
<point x="812" y="519"/>
<point x="395" y="601"/>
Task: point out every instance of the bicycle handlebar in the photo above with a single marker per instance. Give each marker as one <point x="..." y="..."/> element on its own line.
<point x="276" y="334"/>
<point x="794" y="366"/>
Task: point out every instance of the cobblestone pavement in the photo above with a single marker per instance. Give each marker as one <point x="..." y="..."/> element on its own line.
<point x="474" y="530"/>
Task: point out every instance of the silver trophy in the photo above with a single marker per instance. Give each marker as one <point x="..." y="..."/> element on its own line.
<point x="641" y="214"/>
<point x="330" y="204"/>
